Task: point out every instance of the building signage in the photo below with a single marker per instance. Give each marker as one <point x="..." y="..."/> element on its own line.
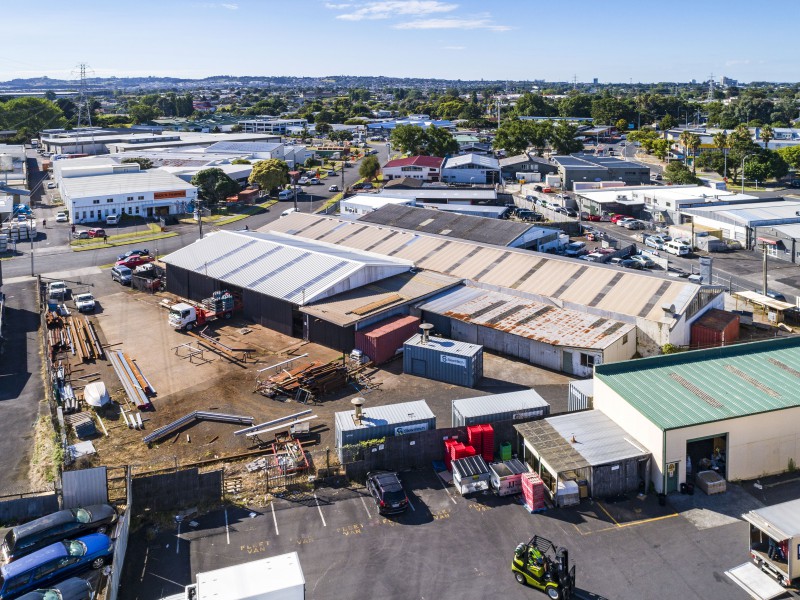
<point x="406" y="429"/>
<point x="165" y="195"/>
<point x="454" y="360"/>
<point x="527" y="414"/>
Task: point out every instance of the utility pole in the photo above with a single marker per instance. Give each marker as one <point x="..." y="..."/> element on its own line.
<point x="764" y="275"/>
<point x="199" y="214"/>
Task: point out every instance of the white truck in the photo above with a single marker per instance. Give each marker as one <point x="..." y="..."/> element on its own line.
<point x="274" y="578"/>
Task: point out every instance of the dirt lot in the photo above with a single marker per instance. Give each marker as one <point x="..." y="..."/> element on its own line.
<point x="135" y="323"/>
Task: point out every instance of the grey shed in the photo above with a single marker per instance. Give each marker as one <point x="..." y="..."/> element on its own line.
<point x="513" y="406"/>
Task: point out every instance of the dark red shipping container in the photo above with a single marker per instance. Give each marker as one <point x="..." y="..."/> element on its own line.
<point x="715" y="328"/>
<point x="381" y="341"/>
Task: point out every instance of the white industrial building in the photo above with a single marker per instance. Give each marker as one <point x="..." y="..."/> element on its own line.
<point x="734" y="411"/>
<point x="363" y="204"/>
<point x="271" y="125"/>
<point x="94" y="189"/>
<point x="13" y="171"/>
<point x="471" y="169"/>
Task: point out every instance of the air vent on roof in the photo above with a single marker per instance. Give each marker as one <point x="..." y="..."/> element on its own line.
<point x="752" y="381"/>
<point x="426" y="222"/>
<point x="708" y="398"/>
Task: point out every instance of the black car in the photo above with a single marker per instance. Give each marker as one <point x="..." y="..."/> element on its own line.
<point x="73" y="588"/>
<point x="631" y="264"/>
<point x="386" y="489"/>
<point x="70" y="523"/>
<point x="129" y="253"/>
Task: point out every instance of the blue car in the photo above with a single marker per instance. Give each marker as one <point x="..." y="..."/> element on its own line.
<point x="53" y="564"/>
<point x="73" y="588"/>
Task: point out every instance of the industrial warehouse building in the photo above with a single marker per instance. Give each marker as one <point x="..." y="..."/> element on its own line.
<point x="311" y="290"/>
<point x="662" y="309"/>
<point x="580" y="168"/>
<point x="733" y="409"/>
<point x="542" y="334"/>
<point x="95" y="188"/>
<point x="465" y="227"/>
<point x="587" y="448"/>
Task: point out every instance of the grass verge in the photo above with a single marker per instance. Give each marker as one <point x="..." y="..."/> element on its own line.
<point x="127" y="239"/>
<point x="47" y="453"/>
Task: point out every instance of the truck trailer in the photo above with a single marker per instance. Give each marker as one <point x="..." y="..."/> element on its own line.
<point x="274" y="578"/>
<point x="775" y="541"/>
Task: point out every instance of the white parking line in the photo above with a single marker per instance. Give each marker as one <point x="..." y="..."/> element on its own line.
<point x="227" y="529"/>
<point x="319" y="508"/>
<point x="274" y="520"/>
<point x="444" y="487"/>
<point x="364" y="504"/>
<point x="178" y="539"/>
<point x="411" y="504"/>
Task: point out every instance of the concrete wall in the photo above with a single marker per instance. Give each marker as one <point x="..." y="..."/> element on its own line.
<point x="632" y="421"/>
<point x="758" y="445"/>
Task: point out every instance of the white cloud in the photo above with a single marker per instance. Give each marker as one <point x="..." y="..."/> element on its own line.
<point x="230" y="6"/>
<point x="212" y="5"/>
<point x="386" y="9"/>
<point x="454" y="48"/>
<point x="337" y="6"/>
<point x="453" y="23"/>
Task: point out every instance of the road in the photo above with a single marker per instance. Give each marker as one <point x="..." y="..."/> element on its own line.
<point x="52" y="253"/>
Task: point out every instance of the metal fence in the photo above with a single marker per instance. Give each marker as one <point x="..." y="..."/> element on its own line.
<point x="121" y="544"/>
<point x="24" y="507"/>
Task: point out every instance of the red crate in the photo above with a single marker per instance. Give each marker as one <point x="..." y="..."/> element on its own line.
<point x="475" y="437"/>
<point x="487" y="439"/>
<point x="448" y="453"/>
<point x="469" y="451"/>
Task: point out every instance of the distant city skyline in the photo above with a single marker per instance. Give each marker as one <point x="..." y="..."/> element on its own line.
<point x="465" y="39"/>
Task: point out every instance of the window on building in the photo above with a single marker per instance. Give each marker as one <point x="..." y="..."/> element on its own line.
<point x="96" y="201"/>
<point x="129" y="210"/>
<point x="109" y="200"/>
<point x="141" y="197"/>
<point x="587" y="360"/>
<point x="91" y="214"/>
<point x="129" y="198"/>
<point x="772" y="249"/>
<point x="137" y="210"/>
<point x="624" y="339"/>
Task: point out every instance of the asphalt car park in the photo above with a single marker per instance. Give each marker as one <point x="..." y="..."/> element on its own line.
<point x="447" y="545"/>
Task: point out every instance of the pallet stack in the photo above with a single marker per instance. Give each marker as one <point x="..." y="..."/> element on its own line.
<point x="475" y="437"/>
<point x="487" y="440"/>
<point x="316" y="378"/>
<point x="455" y="450"/>
<point x="533" y="492"/>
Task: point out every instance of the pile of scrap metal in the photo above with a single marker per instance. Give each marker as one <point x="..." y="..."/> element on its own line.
<point x="62" y="389"/>
<point x="305" y="383"/>
<point x="72" y="334"/>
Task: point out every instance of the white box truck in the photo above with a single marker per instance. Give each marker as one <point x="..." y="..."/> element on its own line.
<point x="274" y="578"/>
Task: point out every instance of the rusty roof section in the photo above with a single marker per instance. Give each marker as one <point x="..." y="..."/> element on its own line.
<point x="529" y="319"/>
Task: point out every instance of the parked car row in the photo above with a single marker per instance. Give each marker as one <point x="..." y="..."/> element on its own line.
<point x="48" y="550"/>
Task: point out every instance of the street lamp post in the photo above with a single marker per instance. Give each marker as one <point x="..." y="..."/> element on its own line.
<point x="743" y="159"/>
<point x="30" y="236"/>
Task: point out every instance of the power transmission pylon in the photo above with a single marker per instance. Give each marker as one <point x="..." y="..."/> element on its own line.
<point x="84" y="110"/>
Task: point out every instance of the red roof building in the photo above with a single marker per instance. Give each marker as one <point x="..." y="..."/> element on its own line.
<point x="424" y="168"/>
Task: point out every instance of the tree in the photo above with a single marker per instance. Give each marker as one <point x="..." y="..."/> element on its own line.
<point x="369" y="168"/>
<point x="660" y="148"/>
<point x="512" y="136"/>
<point x="270" y="174"/>
<point x="240" y="161"/>
<point x="668" y="122"/>
<point x="767" y="133"/>
<point x="791" y="154"/>
<point x="621" y="124"/>
<point x="214" y="185"/>
<point x="343" y="135"/>
<point x="694" y="144"/>
<point x="765" y="165"/>
<point x="439" y="142"/>
<point x="144" y="163"/>
<point x="534" y="105"/>
<point x="562" y="138"/>
<point x="408" y="138"/>
<point x="29" y="116"/>
<point x="609" y="110"/>
<point x="143" y="113"/>
<point x="679" y="174"/>
<point x="575" y="105"/>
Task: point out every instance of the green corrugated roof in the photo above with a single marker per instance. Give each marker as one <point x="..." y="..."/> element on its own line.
<point x="702" y="386"/>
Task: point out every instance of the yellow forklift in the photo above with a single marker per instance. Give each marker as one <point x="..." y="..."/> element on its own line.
<point x="545" y="566"/>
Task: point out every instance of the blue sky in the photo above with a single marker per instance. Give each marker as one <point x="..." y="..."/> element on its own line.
<point x="616" y="41"/>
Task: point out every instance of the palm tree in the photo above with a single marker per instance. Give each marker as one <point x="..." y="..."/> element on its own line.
<point x="691" y="140"/>
<point x="684" y="139"/>
<point x="722" y="143"/>
<point x="767" y="133"/>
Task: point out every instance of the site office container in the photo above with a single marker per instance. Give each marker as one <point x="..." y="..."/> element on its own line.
<point x="715" y="328"/>
<point x="381" y="341"/>
<point x="450" y="361"/>
<point x="382" y="421"/>
<point x="525" y="404"/>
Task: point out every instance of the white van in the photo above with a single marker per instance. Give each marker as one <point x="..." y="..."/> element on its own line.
<point x="677" y="248"/>
<point x="112" y="220"/>
<point x="288" y="211"/>
<point x="285" y="195"/>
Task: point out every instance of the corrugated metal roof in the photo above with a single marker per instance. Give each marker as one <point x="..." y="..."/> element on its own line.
<point x="286" y="267"/>
<point x="704" y="386"/>
<point x="598" y="439"/>
<point x="389" y="414"/>
<point x="486" y="162"/>
<point x="441" y="222"/>
<point x="750" y="214"/>
<point x="470" y="466"/>
<point x="228" y="147"/>
<point x="152" y="180"/>
<point x="525" y="318"/>
<point x="634" y="294"/>
<point x="444" y="346"/>
<point x="499" y="403"/>
<point x="785" y="517"/>
<point x="349" y="307"/>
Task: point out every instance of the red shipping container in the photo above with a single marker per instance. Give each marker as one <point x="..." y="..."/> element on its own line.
<point x="715" y="328"/>
<point x="381" y="341"/>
